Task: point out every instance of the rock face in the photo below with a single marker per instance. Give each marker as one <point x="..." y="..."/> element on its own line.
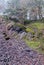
<point x="16" y="52"/>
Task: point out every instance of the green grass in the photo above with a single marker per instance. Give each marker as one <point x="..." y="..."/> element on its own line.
<point x="35" y="45"/>
<point x="38" y="25"/>
<point x="28" y="29"/>
<point x="32" y="44"/>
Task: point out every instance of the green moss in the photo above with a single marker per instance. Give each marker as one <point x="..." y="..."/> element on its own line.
<point x="35" y="45"/>
<point x="29" y="30"/>
<point x="32" y="44"/>
<point x="38" y="25"/>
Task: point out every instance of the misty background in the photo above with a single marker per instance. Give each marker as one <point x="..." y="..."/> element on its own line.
<point x="19" y="3"/>
<point x="13" y="4"/>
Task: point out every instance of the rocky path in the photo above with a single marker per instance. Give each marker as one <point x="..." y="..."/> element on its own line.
<point x="16" y="52"/>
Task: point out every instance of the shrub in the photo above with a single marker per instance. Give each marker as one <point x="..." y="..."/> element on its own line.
<point x="27" y="22"/>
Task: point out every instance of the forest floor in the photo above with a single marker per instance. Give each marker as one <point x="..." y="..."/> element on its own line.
<point x="14" y="50"/>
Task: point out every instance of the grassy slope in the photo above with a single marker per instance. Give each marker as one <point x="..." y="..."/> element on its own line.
<point x="39" y="25"/>
<point x="35" y="44"/>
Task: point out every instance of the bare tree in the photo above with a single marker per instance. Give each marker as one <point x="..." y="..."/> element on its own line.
<point x="20" y="7"/>
<point x="39" y="6"/>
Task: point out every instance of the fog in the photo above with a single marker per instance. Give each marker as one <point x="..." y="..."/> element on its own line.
<point x="20" y="3"/>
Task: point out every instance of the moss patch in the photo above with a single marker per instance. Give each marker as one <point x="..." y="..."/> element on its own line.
<point x="29" y="30"/>
<point x="33" y="44"/>
<point x="38" y="25"/>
